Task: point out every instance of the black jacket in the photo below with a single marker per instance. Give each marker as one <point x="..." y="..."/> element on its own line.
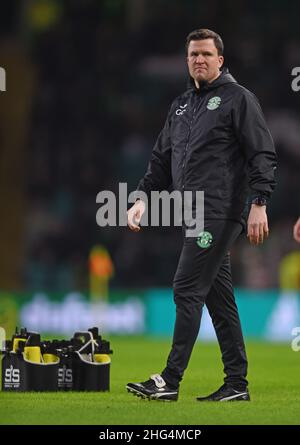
<point x="215" y="139"/>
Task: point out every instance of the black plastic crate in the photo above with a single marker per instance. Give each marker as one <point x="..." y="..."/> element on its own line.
<point x="79" y="364"/>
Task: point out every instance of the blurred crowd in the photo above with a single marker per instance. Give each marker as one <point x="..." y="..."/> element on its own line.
<point x="105" y="74"/>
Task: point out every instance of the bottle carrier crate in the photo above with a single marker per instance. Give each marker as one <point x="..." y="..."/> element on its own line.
<point x="79" y="364"/>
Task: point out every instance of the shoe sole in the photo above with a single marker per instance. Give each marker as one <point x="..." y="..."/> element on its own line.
<point x="236" y="399"/>
<point x="137" y="393"/>
<point x="244" y="398"/>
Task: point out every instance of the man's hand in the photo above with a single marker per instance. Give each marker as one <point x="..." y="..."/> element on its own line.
<point x="134" y="215"/>
<point x="297" y="231"/>
<point x="257" y="224"/>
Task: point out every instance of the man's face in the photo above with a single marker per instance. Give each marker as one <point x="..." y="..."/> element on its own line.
<point x="203" y="60"/>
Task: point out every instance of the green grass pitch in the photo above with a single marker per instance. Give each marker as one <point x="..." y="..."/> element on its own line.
<point x="274" y="388"/>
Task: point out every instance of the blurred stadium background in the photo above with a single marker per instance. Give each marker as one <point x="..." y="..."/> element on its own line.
<point x="88" y="85"/>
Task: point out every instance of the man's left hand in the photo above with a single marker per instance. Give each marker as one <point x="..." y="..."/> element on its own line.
<point x="258" y="228"/>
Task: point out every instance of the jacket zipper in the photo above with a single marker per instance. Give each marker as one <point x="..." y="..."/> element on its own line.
<point x="196" y="107"/>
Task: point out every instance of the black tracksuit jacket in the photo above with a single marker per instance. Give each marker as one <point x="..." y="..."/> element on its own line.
<point x="215" y="140"/>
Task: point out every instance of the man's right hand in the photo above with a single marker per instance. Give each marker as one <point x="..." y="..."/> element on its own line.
<point x="134" y="215"/>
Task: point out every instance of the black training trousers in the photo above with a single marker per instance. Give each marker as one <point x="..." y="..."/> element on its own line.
<point x="203" y="276"/>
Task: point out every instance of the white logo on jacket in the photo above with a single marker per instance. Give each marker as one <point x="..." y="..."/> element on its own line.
<point x="181" y="109"/>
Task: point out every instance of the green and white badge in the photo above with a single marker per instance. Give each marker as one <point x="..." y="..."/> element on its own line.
<point x="213" y="103"/>
<point x="204" y="239"/>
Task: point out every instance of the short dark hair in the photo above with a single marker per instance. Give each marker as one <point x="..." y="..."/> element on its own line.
<point x="202" y="34"/>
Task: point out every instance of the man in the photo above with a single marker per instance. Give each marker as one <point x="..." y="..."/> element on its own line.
<point x="215" y="139"/>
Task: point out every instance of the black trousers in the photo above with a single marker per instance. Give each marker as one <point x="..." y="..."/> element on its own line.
<point x="203" y="276"/>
